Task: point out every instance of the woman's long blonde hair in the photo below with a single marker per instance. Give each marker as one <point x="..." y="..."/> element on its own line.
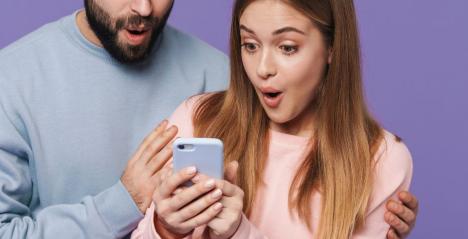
<point x="339" y="164"/>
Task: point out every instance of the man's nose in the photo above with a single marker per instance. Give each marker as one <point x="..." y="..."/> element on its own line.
<point x="143" y="8"/>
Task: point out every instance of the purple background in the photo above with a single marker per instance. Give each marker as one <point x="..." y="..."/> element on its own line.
<point x="415" y="56"/>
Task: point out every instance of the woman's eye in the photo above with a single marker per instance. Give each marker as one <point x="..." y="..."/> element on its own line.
<point x="288" y="50"/>
<point x="249" y="47"/>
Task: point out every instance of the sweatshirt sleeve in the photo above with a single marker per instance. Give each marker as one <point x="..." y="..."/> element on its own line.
<point x="182" y="116"/>
<point x="216" y="73"/>
<point x="109" y="214"/>
<point x="247" y="230"/>
<point x="393" y="174"/>
<point x="147" y="230"/>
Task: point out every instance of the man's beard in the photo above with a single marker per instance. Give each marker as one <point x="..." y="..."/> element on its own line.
<point x="106" y="29"/>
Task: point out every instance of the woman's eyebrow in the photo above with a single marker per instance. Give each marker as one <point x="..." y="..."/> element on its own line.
<point x="277" y="32"/>
<point x="242" y="27"/>
<point x="287" y="29"/>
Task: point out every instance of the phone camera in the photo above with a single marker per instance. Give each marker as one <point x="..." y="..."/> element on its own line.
<point x="181" y="146"/>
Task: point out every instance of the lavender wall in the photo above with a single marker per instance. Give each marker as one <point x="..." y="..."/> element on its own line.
<point x="415" y="56"/>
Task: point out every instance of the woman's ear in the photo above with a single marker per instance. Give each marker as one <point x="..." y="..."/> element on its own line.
<point x="330" y="55"/>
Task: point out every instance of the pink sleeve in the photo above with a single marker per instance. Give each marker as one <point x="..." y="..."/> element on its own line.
<point x="146" y="229"/>
<point x="394" y="170"/>
<point x="247" y="230"/>
<point x="182" y="117"/>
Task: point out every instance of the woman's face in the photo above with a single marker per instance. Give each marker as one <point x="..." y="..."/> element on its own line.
<point x="284" y="56"/>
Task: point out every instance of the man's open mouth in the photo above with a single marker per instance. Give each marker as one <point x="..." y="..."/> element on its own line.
<point x="137" y="32"/>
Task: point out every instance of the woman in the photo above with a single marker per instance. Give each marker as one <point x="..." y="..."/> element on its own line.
<point x="305" y="159"/>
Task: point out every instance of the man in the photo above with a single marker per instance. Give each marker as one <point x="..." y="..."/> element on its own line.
<point x="76" y="98"/>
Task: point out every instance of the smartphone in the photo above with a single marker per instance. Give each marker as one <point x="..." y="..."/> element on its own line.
<point x="206" y="154"/>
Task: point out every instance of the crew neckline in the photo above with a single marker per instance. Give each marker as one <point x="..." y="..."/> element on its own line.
<point x="285" y="139"/>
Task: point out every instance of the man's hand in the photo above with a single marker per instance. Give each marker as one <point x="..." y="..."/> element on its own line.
<point x="401" y="216"/>
<point x="139" y="176"/>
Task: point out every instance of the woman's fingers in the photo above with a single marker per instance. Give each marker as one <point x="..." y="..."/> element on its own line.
<point x="174" y="181"/>
<point x="229" y="189"/>
<point x="192" y="193"/>
<point x="230" y="172"/>
<point x="204" y="217"/>
<point x="199" y="205"/>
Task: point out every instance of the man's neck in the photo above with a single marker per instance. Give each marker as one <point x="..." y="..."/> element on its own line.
<point x="85" y="29"/>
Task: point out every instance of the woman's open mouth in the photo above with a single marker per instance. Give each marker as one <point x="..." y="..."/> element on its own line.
<point x="272" y="97"/>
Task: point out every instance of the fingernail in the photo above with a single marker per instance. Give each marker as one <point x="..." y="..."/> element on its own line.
<point x="394" y="206"/>
<point x="163" y="123"/>
<point x="218" y="206"/>
<point x="210" y="183"/>
<point x="216" y="194"/>
<point x="404" y="196"/>
<point x="191" y="170"/>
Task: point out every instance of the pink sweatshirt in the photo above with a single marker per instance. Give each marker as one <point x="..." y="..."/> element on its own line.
<point x="270" y="216"/>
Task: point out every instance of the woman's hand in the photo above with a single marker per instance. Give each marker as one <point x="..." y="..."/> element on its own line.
<point x="226" y="223"/>
<point x="179" y="213"/>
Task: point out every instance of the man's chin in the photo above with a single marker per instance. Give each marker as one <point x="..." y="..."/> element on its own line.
<point x="126" y="51"/>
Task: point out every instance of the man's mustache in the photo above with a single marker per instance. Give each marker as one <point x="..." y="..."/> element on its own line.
<point x="137" y="22"/>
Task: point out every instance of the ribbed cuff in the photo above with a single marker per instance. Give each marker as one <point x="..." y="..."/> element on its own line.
<point x="244" y="229"/>
<point x="118" y="210"/>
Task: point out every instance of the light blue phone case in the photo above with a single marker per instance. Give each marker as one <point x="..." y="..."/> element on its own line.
<point x="204" y="153"/>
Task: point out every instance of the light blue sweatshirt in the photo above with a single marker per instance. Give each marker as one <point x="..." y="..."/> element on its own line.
<point x="70" y="119"/>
